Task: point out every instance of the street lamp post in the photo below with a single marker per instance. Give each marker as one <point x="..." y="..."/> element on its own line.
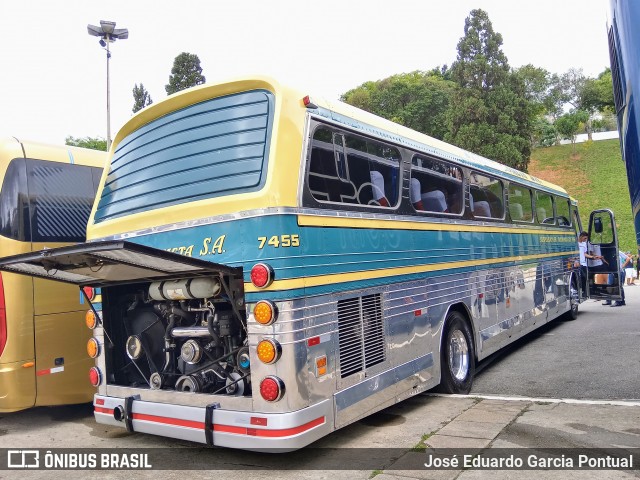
<point x="108" y="33"/>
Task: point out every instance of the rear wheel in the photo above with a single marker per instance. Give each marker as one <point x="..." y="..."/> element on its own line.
<point x="457" y="355"/>
<point x="574" y="301"/>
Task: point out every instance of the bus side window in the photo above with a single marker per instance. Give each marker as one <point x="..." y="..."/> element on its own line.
<point x="350" y="169"/>
<point x="374" y="171"/>
<point x="61" y="197"/>
<point x="325" y="180"/>
<point x="14" y="203"/>
<point x="520" y="206"/>
<point x="562" y="212"/>
<point x="435" y="186"/>
<point x="486" y="197"/>
<point x="544" y="208"/>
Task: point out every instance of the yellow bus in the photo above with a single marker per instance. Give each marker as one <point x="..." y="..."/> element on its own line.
<point x="45" y="201"/>
<point x="275" y="266"/>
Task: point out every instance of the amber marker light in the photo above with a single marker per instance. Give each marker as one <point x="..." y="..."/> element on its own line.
<point x="93" y="348"/>
<point x="269" y="351"/>
<point x="265" y="312"/>
<point x="90" y="319"/>
<point x="321" y="365"/>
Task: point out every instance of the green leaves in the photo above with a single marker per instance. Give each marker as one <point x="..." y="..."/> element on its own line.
<point x="141" y="98"/>
<point x="418" y="100"/>
<point x="186" y="73"/>
<point x="489" y="113"/>
<point x="94" y="143"/>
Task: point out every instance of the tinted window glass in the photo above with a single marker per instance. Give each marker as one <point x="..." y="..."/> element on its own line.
<point x="61" y="197"/>
<point x="211" y="149"/>
<point x="486" y="196"/>
<point x="347" y="168"/>
<point x="562" y="211"/>
<point x="435" y="186"/>
<point x="544" y="208"/>
<point x="14" y="203"/>
<point x="520" y="207"/>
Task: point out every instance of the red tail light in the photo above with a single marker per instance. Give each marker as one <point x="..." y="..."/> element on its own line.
<point x="261" y="275"/>
<point x="3" y="318"/>
<point x="271" y="388"/>
<point x="95" y="376"/>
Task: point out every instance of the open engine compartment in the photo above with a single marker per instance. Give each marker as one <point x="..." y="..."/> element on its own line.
<point x="186" y="335"/>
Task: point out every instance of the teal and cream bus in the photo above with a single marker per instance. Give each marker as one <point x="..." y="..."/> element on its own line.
<point x="275" y="266"/>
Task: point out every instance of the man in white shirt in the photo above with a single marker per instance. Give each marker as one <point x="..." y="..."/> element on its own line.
<point x="590" y="259"/>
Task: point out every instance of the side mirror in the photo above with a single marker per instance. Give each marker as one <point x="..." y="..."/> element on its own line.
<point x="597" y="225"/>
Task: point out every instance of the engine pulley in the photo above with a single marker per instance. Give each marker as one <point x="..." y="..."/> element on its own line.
<point x="191" y="352"/>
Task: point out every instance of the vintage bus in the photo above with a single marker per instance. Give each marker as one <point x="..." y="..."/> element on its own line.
<point x="624" y="44"/>
<point x="275" y="266"/>
<point x="45" y="201"/>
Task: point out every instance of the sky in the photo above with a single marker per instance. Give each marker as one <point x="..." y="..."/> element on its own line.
<point x="53" y="80"/>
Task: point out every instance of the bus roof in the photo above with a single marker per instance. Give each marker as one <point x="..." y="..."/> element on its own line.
<point x="11" y="147"/>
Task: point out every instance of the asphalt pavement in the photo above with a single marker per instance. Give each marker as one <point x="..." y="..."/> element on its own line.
<point x="596" y="356"/>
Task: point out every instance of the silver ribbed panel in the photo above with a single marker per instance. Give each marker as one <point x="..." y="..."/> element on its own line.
<point x="360" y="334"/>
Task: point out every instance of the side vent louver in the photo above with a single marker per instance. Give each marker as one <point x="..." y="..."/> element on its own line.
<point x="361" y="333"/>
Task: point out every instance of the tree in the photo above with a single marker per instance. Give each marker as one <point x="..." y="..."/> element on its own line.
<point x="94" y="143"/>
<point x="141" y="98"/>
<point x="489" y="113"/>
<point x="572" y="83"/>
<point x="544" y="132"/>
<point x="597" y="93"/>
<point x="417" y="100"/>
<point x="537" y="83"/>
<point x="569" y="124"/>
<point x="186" y="73"/>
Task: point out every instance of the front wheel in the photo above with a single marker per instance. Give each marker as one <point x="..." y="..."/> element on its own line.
<point x="457" y="355"/>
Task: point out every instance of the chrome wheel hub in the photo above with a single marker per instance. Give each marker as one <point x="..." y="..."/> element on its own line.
<point x="458" y="355"/>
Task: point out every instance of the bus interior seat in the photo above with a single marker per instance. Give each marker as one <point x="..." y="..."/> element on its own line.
<point x="414" y="194"/>
<point x="516" y="211"/>
<point x="541" y="214"/>
<point x="482" y="209"/>
<point x="435" y="201"/>
<point x="377" y="187"/>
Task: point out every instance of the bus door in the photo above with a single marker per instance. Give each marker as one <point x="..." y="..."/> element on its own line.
<point x="603" y="277"/>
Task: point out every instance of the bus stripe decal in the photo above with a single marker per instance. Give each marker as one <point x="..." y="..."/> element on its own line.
<point x="255" y="432"/>
<point x="319" y="280"/>
<point x="49" y="371"/>
<point x="382" y="224"/>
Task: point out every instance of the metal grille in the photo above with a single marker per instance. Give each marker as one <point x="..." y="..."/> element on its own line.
<point x="615" y="72"/>
<point x="360" y="333"/>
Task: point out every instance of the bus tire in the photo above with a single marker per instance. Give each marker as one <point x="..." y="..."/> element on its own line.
<point x="574" y="301"/>
<point x="457" y="355"/>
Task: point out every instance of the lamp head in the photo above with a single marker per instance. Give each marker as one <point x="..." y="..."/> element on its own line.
<point x="107" y="27"/>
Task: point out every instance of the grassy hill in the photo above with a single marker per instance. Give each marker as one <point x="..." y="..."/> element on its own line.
<point x="595" y="176"/>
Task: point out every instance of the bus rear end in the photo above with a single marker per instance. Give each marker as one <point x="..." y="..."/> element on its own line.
<point x="189" y="339"/>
